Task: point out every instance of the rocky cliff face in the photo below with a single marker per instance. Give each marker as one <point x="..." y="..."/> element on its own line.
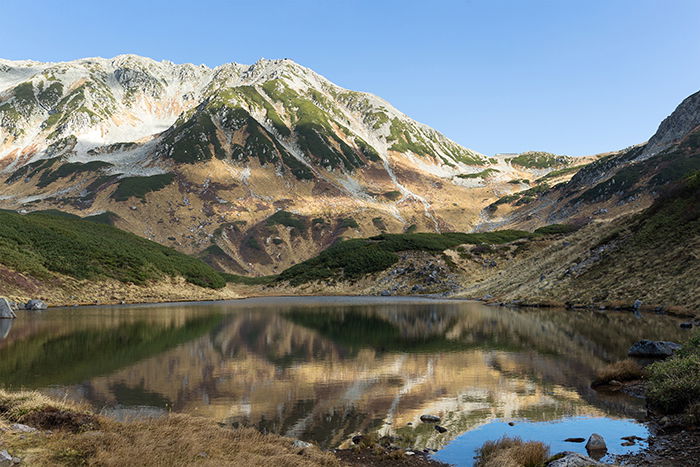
<point x="676" y="126"/>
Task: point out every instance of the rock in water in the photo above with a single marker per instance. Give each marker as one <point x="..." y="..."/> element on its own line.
<point x="6" y="309"/>
<point x="596" y="443"/>
<point x="35" y="305"/>
<point x="653" y="349"/>
<point x="429" y="419"/>
<point x="573" y="459"/>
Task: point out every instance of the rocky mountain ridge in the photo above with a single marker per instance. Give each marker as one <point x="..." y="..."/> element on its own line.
<point x="203" y="159"/>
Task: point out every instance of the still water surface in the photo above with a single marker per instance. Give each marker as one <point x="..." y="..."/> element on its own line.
<point x="324" y="368"/>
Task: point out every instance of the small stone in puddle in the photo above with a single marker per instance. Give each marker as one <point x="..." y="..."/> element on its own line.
<point x="632" y="438"/>
<point x="574" y="440"/>
<point x="596" y="446"/>
<point x="440" y="429"/>
<point x="627" y="443"/>
<point x="429" y="419"/>
<point x="511" y="423"/>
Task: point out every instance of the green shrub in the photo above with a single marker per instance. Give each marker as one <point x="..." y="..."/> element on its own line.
<point x="247" y="280"/>
<point x="674" y="384"/>
<point x="555" y="229"/>
<point x="138" y="186"/>
<point x="539" y="160"/>
<point x="392" y="195"/>
<point x="486" y="173"/>
<point x="70" y="169"/>
<point x="287" y="219"/>
<point x="348" y="223"/>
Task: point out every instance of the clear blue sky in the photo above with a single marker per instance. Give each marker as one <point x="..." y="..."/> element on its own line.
<point x="573" y="77"/>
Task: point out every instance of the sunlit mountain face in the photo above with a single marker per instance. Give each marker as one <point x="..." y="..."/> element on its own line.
<point x="323" y="371"/>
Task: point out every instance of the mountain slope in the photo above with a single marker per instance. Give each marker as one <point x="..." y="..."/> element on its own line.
<point x="617" y="183"/>
<point x="201" y="159"/>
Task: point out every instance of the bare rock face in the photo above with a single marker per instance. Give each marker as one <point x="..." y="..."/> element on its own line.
<point x="674" y="127"/>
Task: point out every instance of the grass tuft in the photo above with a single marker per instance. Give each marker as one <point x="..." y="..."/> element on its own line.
<point x="624" y="370"/>
<point x="515" y="452"/>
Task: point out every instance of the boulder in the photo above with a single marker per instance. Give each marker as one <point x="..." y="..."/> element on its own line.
<point x="35" y="305"/>
<point x="6" y="460"/>
<point x="297" y="443"/>
<point x="6" y="309"/>
<point x="429" y="418"/>
<point x="596" y="443"/>
<point x="22" y="428"/>
<point x="653" y="349"/>
<point x="572" y="459"/>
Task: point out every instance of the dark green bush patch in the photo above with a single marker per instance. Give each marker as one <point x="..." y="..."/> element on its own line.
<point x="138" y="187"/>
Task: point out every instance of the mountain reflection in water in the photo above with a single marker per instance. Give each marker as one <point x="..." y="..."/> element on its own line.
<point x="322" y="369"/>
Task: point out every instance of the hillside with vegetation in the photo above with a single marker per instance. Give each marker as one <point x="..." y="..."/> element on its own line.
<point x="65" y="259"/>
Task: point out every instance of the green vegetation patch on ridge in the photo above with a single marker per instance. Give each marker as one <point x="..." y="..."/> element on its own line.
<point x="70" y="169"/>
<point x="351" y="259"/>
<point x="521" y="197"/>
<point x="539" y="160"/>
<point x="42" y="243"/>
<point x="486" y="173"/>
<point x="560" y="173"/>
<point x="288" y="219"/>
<point x="138" y="187"/>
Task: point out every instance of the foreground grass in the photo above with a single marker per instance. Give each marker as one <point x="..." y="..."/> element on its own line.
<point x="512" y="452"/>
<point x="674" y="384"/>
<point x="79" y="437"/>
<point x="624" y="370"/>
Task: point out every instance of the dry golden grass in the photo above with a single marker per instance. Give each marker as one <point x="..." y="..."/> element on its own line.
<point x="18" y="406"/>
<point x="624" y="370"/>
<point x="175" y="440"/>
<point x="512" y="452"/>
